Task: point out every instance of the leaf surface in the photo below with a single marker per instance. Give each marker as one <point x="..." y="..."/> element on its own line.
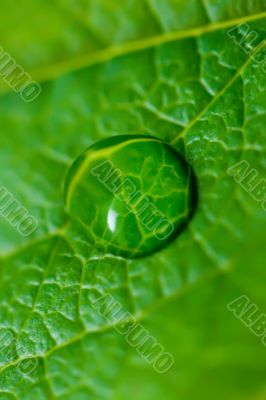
<point x="191" y="85"/>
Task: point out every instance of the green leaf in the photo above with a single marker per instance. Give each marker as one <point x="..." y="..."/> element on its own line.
<point x="163" y="69"/>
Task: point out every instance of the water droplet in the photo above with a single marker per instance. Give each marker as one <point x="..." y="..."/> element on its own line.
<point x="132" y="194"/>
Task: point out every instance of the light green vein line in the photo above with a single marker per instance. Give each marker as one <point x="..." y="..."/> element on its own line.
<point x="218" y="95"/>
<point x="92" y="156"/>
<point x="58" y="233"/>
<point x="139" y="318"/>
<point x="50" y="72"/>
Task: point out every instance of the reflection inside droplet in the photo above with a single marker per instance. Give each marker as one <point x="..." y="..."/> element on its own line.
<point x="111" y="220"/>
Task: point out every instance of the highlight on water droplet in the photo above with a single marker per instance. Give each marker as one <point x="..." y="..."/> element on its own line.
<point x="131" y="194"/>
